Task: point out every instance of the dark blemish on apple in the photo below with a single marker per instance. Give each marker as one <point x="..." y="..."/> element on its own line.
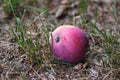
<point x="57" y="39"/>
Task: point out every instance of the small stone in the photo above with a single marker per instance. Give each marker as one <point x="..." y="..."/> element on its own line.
<point x="100" y="50"/>
<point x="77" y="67"/>
<point x="118" y="40"/>
<point x="67" y="76"/>
<point x="65" y="2"/>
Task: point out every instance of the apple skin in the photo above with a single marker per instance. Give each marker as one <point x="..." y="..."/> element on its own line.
<point x="69" y="44"/>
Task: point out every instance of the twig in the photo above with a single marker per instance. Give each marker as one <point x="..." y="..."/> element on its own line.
<point x="109" y="73"/>
<point x="36" y="72"/>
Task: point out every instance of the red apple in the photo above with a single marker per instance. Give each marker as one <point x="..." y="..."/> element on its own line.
<point x="69" y="43"/>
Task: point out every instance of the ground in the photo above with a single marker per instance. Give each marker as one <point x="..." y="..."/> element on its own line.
<point x="24" y="39"/>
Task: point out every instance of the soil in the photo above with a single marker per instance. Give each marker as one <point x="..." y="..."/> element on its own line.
<point x="15" y="65"/>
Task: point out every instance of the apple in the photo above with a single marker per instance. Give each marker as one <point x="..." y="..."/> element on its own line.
<point x="69" y="44"/>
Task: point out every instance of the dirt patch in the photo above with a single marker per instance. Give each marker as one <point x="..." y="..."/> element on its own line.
<point x="15" y="64"/>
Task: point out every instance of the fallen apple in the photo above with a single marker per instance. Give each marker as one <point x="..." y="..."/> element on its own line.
<point x="69" y="43"/>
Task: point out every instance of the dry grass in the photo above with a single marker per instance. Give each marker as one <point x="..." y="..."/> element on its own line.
<point x="25" y="52"/>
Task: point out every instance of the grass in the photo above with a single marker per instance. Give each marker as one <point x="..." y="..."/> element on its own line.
<point x="26" y="42"/>
<point x="109" y="43"/>
<point x="35" y="42"/>
<point x="12" y="7"/>
<point x="16" y="8"/>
